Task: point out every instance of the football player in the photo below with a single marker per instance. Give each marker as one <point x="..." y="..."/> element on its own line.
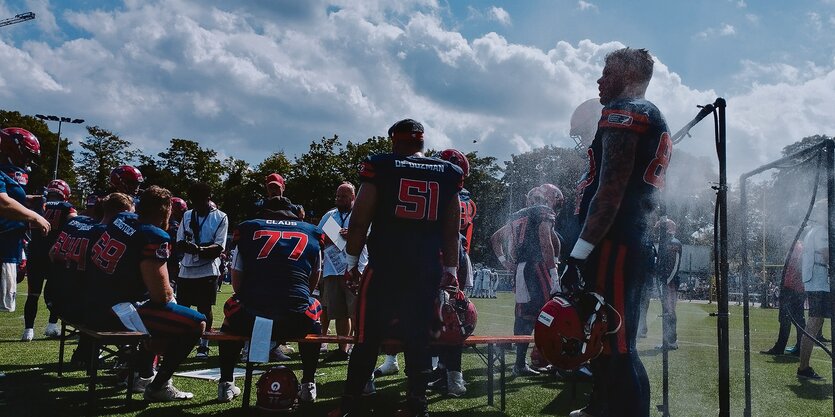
<point x="274" y="272"/>
<point x="18" y="148"/>
<point x="127" y="275"/>
<point x="532" y="250"/>
<point x="58" y="211"/>
<point x="413" y="204"/>
<point x="628" y="159"/>
<point x="126" y="179"/>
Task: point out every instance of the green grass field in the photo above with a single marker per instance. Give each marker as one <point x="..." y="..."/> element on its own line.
<point x="29" y="385"/>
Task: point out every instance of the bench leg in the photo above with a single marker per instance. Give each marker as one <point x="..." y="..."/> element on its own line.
<point x="63" y="340"/>
<point x="92" y="371"/>
<point x="501" y="375"/>
<point x="132" y="355"/>
<point x="247" y="384"/>
<point x="490" y="348"/>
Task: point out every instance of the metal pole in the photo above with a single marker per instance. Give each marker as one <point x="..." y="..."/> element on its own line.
<point x="663" y="244"/>
<point x="57" y="152"/>
<point x="722" y="296"/>
<point x="830" y="197"/>
<point x="746" y="335"/>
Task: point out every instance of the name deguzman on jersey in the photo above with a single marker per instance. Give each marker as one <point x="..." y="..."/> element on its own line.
<point x="399" y="163"/>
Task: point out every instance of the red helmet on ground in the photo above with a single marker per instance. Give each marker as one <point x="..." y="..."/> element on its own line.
<point x="458" y="158"/>
<point x="179" y="204"/>
<point x="20" y="146"/>
<point x="570" y="330"/>
<point x="458" y="316"/>
<point x="584" y="123"/>
<point x="126" y="179"/>
<point x="60" y="187"/>
<point x="278" y="390"/>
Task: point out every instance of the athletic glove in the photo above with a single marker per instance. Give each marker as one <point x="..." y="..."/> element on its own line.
<point x="571" y="280"/>
<point x="352" y="279"/>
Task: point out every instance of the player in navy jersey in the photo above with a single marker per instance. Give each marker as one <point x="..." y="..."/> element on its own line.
<point x="274" y="273"/>
<point x="628" y="159"/>
<point x="66" y="289"/>
<point x="412" y="202"/>
<point x="57" y="210"/>
<point x="532" y="248"/>
<point x="127" y="266"/>
<point x="18" y="148"/>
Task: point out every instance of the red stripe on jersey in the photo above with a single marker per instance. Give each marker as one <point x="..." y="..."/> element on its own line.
<point x="620" y="295"/>
<point x="361" y="304"/>
<point x="603" y="266"/>
<point x="366" y="170"/>
<point x="622" y="119"/>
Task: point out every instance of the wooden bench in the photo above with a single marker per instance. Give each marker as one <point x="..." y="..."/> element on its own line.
<point x="496" y="346"/>
<point x="127" y="344"/>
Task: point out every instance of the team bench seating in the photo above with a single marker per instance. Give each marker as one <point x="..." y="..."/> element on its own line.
<point x="496" y="346"/>
<point x="126" y="344"/>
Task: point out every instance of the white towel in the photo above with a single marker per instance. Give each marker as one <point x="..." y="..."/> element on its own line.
<point x="259" y="346"/>
<point x="522" y="294"/>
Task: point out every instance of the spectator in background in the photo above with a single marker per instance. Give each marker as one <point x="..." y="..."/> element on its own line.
<point x="178" y="208"/>
<point x="339" y="302"/>
<point x="274" y="185"/>
<point x="815" y="273"/>
<point x="201" y="238"/>
<point x="18" y="147"/>
<point x="669" y="260"/>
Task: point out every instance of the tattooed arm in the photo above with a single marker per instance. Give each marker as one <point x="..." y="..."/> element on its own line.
<point x="616" y="168"/>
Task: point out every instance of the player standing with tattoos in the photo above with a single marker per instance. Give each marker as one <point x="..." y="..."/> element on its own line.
<point x="627" y="164"/>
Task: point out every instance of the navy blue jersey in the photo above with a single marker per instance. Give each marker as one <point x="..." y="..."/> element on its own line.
<point x="57" y="213"/>
<point x="524" y="229"/>
<point x="113" y="271"/>
<point x="412" y="194"/>
<point x="652" y="155"/>
<point x="71" y="248"/>
<point x="12" y="181"/>
<point x="276" y="258"/>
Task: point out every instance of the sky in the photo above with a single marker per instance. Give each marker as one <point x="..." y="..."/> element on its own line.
<point x="499" y="77"/>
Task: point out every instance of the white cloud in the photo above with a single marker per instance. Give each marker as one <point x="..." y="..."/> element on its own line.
<point x="739" y="3"/>
<point x="585" y="5"/>
<point x="249" y="81"/>
<point x="45" y="19"/>
<point x="500" y="15"/>
<point x="724" y="30"/>
<point x="752" y="18"/>
<point x="815" y="20"/>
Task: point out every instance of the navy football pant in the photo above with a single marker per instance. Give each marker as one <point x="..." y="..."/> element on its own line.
<point x="617" y="271"/>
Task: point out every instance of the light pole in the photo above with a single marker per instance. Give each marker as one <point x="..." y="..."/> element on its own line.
<point x="60" y="120"/>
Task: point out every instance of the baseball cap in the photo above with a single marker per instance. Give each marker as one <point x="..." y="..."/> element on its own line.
<point x="275" y="178"/>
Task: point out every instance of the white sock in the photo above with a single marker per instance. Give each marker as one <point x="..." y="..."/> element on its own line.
<point x="434" y="362"/>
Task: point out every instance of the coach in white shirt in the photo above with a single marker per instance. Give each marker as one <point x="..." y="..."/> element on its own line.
<point x="201" y="238"/>
<point x="338" y="301"/>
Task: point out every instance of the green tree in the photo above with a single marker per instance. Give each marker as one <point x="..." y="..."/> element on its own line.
<point x="190" y="163"/>
<point x="235" y="195"/>
<point x="42" y="172"/>
<point x="101" y="151"/>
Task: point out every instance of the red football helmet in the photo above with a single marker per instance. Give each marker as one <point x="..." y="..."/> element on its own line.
<point x="179" y="204"/>
<point x="278" y="390"/>
<point x="458" y="158"/>
<point x="60" y="187"/>
<point x="547" y="195"/>
<point x="459" y="318"/>
<point x="126" y="179"/>
<point x="570" y="330"/>
<point x="19" y="146"/>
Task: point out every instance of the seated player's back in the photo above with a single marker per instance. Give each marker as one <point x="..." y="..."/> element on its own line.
<point x="277" y="257"/>
<point x="113" y="271"/>
<point x="70" y="253"/>
<point x="412" y="194"/>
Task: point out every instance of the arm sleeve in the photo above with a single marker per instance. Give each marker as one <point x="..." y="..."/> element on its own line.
<point x="237" y="261"/>
<point x="222" y="230"/>
<point x="368" y="171"/>
<point x="156" y="246"/>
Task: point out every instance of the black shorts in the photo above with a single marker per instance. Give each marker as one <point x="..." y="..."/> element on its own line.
<point x="820" y="304"/>
<point x="198" y="292"/>
<point x="238" y="320"/>
<point x="382" y="310"/>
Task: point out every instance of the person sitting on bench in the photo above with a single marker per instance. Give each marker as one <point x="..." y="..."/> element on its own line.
<point x="274" y="273"/>
<point x="128" y="288"/>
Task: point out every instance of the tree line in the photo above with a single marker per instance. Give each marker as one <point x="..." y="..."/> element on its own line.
<point x="497" y="187"/>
